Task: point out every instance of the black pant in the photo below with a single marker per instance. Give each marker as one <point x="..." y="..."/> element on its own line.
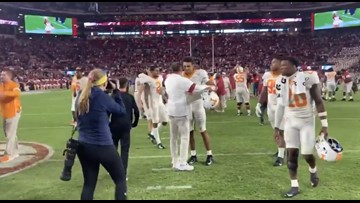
<point x="256" y="88"/>
<point x="122" y="135"/>
<point x="91" y="156"/>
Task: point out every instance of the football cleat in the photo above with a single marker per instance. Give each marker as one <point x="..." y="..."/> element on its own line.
<point x="152" y="138"/>
<point x="192" y="160"/>
<point x="160" y="146"/>
<point x="314" y="179"/>
<point x="209" y="160"/>
<point x="278" y="162"/>
<point x="292" y="193"/>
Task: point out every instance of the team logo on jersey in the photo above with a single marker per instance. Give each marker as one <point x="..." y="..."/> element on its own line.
<point x="278" y="87"/>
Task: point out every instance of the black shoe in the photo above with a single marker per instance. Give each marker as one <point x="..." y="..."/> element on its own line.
<point x="323" y="98"/>
<point x="351" y="99"/>
<point x="65" y="176"/>
<point x="343" y="99"/>
<point x="192" y="160"/>
<point x="152" y="138"/>
<point x="160" y="146"/>
<point x="333" y="99"/>
<point x="209" y="160"/>
<point x="279" y="162"/>
<point x="314" y="179"/>
<point x="292" y="193"/>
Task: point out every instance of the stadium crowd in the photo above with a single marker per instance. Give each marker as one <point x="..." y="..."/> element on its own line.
<point x="45" y="59"/>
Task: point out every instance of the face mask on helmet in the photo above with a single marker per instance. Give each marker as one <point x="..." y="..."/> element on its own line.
<point x="328" y="150"/>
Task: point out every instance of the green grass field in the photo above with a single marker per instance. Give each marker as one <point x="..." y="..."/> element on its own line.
<point x="243" y="167"/>
<point x="325" y="20"/>
<point x="35" y="25"/>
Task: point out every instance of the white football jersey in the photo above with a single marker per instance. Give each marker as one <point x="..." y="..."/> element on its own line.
<point x="156" y="85"/>
<point x="330" y="77"/>
<point x="302" y="105"/>
<point x="241" y="80"/>
<point x="137" y="83"/>
<point x="199" y="77"/>
<point x="269" y="81"/>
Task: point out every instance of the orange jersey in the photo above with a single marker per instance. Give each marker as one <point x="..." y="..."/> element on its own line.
<point x="10" y="103"/>
<point x="73" y="85"/>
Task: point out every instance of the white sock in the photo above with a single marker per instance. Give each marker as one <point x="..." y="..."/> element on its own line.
<point x="350" y="97"/>
<point x="312" y="170"/>
<point x="281" y="152"/>
<point x="193" y="152"/>
<point x="239" y="111"/>
<point x="159" y="126"/>
<point x="156" y="135"/>
<point x="209" y="152"/>
<point x="294" y="183"/>
<point x="249" y="111"/>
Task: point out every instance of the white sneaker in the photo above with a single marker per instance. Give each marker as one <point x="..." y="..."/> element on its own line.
<point x="185" y="167"/>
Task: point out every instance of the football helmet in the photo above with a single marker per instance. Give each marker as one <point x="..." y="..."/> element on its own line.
<point x="211" y="100"/>
<point x="239" y="69"/>
<point x="328" y="150"/>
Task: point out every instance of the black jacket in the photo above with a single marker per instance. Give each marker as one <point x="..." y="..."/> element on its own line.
<point x="127" y="121"/>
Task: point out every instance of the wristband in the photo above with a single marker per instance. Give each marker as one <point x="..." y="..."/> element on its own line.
<point x="324" y="123"/>
<point x="322" y="114"/>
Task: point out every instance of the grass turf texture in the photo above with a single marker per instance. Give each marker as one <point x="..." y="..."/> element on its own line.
<point x="243" y="171"/>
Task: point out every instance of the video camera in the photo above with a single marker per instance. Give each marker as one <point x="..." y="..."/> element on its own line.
<point x="111" y="85"/>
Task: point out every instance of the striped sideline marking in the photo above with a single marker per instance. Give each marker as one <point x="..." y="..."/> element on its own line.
<point x="45" y="159"/>
<point x="171" y="187"/>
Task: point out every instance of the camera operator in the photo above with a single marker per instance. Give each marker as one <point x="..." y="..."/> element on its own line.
<point x="96" y="145"/>
<point x="120" y="126"/>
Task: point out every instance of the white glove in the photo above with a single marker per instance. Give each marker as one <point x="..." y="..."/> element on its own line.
<point x="258" y="110"/>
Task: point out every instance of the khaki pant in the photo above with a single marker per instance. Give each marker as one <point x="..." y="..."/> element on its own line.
<point x="179" y="130"/>
<point x="222" y="103"/>
<point x="10" y="129"/>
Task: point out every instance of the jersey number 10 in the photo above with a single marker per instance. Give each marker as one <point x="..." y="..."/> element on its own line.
<point x="297" y="100"/>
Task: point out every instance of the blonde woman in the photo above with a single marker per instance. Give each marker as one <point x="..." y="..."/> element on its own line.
<point x="96" y="145"/>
